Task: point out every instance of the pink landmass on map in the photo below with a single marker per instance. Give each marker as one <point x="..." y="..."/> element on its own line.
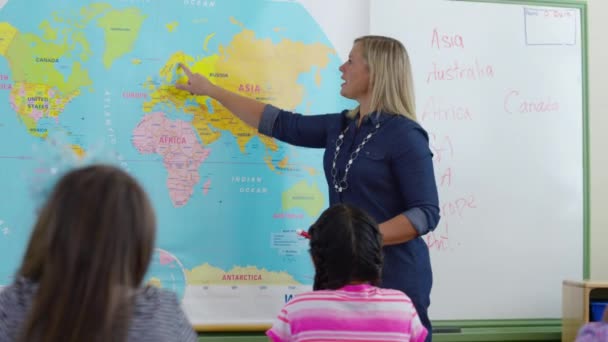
<point x="206" y="186"/>
<point x="165" y="258"/>
<point x="182" y="152"/>
<point x="12" y="101"/>
<point x="36" y="114"/>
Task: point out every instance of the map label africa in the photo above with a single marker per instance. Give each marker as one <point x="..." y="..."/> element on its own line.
<point x="181" y="151"/>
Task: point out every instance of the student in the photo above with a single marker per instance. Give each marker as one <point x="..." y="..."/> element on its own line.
<point x="346" y="305"/>
<point x="594" y="331"/>
<point x="377" y="157"/>
<point x="81" y="275"/>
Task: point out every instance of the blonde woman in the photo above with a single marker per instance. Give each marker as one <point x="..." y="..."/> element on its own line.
<point x="377" y="156"/>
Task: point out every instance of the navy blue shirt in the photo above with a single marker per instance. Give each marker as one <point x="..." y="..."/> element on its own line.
<point x="392" y="175"/>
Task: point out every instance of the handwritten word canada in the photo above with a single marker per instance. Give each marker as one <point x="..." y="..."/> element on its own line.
<point x="515" y="102"/>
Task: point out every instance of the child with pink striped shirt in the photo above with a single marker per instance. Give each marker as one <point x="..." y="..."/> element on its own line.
<point x="345" y="304"/>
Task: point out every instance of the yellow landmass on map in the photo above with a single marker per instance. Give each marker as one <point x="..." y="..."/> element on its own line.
<point x="207" y="134"/>
<point x="269" y="142"/>
<point x="275" y="67"/>
<point x="121" y="29"/>
<point x="7" y="34"/>
<point x="78" y="150"/>
<point x="283" y="163"/>
<point x="136" y="61"/>
<point x="57" y="17"/>
<point x="45" y="73"/>
<point x="172" y="26"/>
<point x="251" y="66"/>
<point x="223" y="120"/>
<point x="268" y="161"/>
<point x="207" y="39"/>
<point x="48" y="32"/>
<point x="311" y="170"/>
<point x="305" y="196"/>
<point x="72" y="34"/>
<point x="166" y="93"/>
<point x="33" y="60"/>
<point x="234" y="21"/>
<point x="155" y="282"/>
<point x="76" y="21"/>
<point x="250" y="275"/>
<point x="318" y="78"/>
<point x="78" y="37"/>
<point x="90" y="12"/>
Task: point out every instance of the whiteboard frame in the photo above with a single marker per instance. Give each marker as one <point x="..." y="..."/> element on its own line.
<point x="582" y="6"/>
<point x="548" y="329"/>
<point x="508" y="329"/>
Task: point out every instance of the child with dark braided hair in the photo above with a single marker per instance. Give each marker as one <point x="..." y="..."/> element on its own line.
<point x="346" y="304"/>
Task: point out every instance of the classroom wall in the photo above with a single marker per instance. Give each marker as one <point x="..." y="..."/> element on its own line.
<point x="598" y="131"/>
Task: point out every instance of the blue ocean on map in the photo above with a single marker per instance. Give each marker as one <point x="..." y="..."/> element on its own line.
<point x="239" y="212"/>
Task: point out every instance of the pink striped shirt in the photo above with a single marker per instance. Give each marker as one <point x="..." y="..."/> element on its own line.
<point x="361" y="313"/>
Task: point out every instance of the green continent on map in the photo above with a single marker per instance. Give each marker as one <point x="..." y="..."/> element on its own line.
<point x="308" y="197"/>
<point x="34" y="60"/>
<point x="90" y="12"/>
<point x="251" y="66"/>
<point x="209" y="275"/>
<point x="50" y="33"/>
<point x="46" y="76"/>
<point x="121" y="30"/>
<point x="98" y="77"/>
<point x="40" y="89"/>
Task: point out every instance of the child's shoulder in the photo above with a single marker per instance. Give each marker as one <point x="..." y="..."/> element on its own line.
<point x="391" y="292"/>
<point x="153" y="293"/>
<point x="368" y="292"/>
<point x="592" y="332"/>
<point x="313" y="296"/>
<point x="151" y="298"/>
<point x="20" y="292"/>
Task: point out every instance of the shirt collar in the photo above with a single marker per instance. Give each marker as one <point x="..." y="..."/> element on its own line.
<point x="375" y="118"/>
<point x="357" y="287"/>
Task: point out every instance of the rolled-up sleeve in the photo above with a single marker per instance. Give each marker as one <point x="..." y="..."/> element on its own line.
<point x="269" y="116"/>
<point x="296" y="129"/>
<point x="416" y="177"/>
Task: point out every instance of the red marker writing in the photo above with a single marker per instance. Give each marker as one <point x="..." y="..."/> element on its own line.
<point x="303" y="233"/>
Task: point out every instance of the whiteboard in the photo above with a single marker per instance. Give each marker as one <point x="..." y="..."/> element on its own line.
<point x="499" y="88"/>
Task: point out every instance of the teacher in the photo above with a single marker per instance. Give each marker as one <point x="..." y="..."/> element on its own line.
<point x="377" y="156"/>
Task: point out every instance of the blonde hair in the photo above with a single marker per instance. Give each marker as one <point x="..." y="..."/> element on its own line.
<point x="390" y="76"/>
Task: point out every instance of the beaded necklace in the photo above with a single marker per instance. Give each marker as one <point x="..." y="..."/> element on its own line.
<point x="342" y="184"/>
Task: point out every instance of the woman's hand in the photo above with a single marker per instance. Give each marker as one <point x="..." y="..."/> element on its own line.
<point x="246" y="109"/>
<point x="197" y="84"/>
